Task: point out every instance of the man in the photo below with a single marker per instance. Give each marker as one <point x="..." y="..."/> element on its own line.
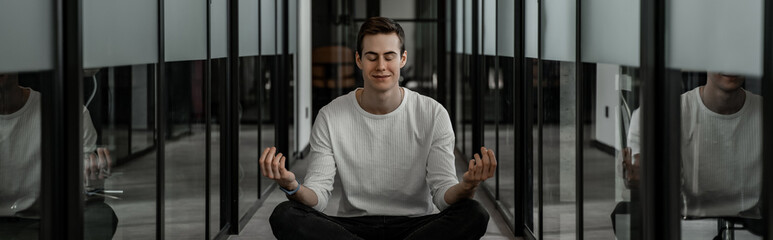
<point x="392" y="149"/>
<point x="20" y="166"/>
<point x="721" y="147"/>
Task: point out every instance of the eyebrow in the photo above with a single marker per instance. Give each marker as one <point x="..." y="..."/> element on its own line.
<point x="374" y="53"/>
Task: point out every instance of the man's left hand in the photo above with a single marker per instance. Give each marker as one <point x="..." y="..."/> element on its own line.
<point x="482" y="167"/>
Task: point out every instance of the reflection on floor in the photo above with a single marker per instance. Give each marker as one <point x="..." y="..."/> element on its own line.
<point x="259" y="228"/>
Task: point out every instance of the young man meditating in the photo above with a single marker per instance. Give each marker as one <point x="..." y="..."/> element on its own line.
<point x="392" y="149"/>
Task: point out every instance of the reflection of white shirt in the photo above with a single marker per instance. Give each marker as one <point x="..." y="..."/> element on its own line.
<point x="20" y="158"/>
<point x="721" y="157"/>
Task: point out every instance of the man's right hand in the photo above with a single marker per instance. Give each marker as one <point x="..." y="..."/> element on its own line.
<point x="272" y="165"/>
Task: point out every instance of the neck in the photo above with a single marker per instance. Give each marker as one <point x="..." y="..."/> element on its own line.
<point x="12" y="98"/>
<point x="378" y="102"/>
<point x="721" y="101"/>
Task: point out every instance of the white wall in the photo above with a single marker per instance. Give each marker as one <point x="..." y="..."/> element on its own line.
<point x="303" y="74"/>
<point x="606" y="96"/>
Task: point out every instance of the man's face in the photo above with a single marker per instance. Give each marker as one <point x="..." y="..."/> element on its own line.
<point x="381" y="61"/>
<point x="726" y="82"/>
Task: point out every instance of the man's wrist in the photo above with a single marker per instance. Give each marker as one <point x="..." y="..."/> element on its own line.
<point x="292" y="185"/>
<point x="467" y="186"/>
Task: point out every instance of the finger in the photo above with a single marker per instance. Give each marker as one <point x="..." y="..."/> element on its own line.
<point x="269" y="163"/>
<point x="478" y="167"/>
<point x="262" y="162"/>
<point x="282" y="169"/>
<point x="492" y="163"/>
<point x="486" y="163"/>
<point x="101" y="162"/>
<point x="86" y="169"/>
<point x="275" y="166"/>
<point x="109" y="160"/>
<point x="93" y="169"/>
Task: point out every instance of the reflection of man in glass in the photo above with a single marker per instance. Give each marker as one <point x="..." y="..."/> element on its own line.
<point x="721" y="151"/>
<point x="20" y="166"/>
<point x="393" y="151"/>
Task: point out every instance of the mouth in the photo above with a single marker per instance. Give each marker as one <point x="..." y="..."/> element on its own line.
<point x="381" y="77"/>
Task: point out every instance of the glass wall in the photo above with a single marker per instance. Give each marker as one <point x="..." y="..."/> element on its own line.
<point x="716" y="62"/>
<point x="610" y="65"/>
<point x="26" y="79"/>
<point x="186" y="137"/>
<point x="120" y="56"/>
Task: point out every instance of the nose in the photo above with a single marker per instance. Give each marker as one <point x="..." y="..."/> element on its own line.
<point x="382" y="63"/>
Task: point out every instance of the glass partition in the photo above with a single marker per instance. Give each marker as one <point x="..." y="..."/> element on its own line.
<point x="610" y="62"/>
<point x="26" y="77"/>
<point x="120" y="53"/>
<point x="714" y="53"/>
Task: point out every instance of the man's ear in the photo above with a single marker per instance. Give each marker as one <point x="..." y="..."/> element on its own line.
<point x="404" y="59"/>
<point x="357" y="59"/>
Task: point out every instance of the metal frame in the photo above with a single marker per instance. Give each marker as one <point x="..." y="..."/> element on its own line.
<point x="161" y="123"/>
<point x="62" y="182"/>
<point x="520" y="119"/>
<point x="767" y="113"/>
<point x="208" y="116"/>
<point x="660" y="119"/>
<point x="579" y="126"/>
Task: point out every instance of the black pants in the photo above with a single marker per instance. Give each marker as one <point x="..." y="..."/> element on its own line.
<point x="466" y="219"/>
<point x="99" y="218"/>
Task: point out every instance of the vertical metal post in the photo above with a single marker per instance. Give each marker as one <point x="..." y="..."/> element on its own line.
<point x="520" y="121"/>
<point x="232" y="104"/>
<point x="476" y="81"/>
<point x="767" y="115"/>
<point x="579" y="116"/>
<point x="163" y="106"/>
<point x="61" y="143"/>
<point x="661" y="127"/>
<point x="208" y="116"/>
<point x="539" y="118"/>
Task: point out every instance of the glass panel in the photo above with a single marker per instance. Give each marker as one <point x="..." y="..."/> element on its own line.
<point x="249" y="104"/>
<point x="611" y="55"/>
<point x="28" y="36"/>
<point x="185" y="32"/>
<point x="558" y="149"/>
<point x="28" y="39"/>
<point x="505" y="148"/>
<point x="130" y="184"/>
<point x="119" y="55"/>
<point x="119" y="33"/>
<point x="249" y="133"/>
<point x="267" y="135"/>
<point x="185" y="150"/>
<point x="533" y="213"/>
<point x="721" y="114"/>
<point x="20" y="151"/>
<point x="607" y="199"/>
<point x="219" y="72"/>
<point x="420" y="72"/>
<point x="611" y="31"/>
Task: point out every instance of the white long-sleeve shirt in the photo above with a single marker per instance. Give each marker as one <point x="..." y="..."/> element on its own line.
<point x="721" y="157"/>
<point x="396" y="164"/>
<point x="20" y="157"/>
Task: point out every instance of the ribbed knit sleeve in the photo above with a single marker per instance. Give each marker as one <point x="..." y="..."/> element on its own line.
<point x="440" y="162"/>
<point x="321" y="172"/>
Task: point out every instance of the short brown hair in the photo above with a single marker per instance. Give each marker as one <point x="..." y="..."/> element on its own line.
<point x="380" y="25"/>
